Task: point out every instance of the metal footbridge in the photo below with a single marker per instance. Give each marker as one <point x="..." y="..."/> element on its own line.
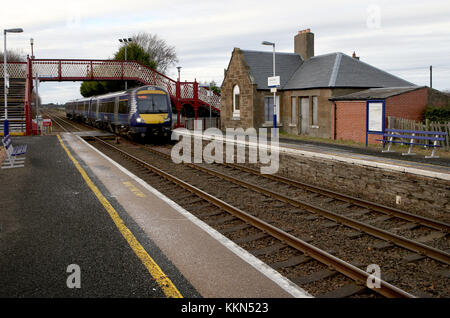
<point x="181" y="93"/>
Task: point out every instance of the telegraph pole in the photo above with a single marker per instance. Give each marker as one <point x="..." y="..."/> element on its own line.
<point x="431" y="76"/>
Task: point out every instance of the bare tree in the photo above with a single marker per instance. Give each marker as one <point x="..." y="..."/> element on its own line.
<point x="13" y="56"/>
<point x="163" y="54"/>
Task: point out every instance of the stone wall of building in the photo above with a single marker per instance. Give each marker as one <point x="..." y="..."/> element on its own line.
<point x="237" y="74"/>
<point x="325" y="114"/>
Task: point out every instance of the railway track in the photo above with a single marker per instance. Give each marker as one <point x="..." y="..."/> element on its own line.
<point x="263" y="184"/>
<point x="65" y="124"/>
<point x="389" y="237"/>
<point x="355" y="278"/>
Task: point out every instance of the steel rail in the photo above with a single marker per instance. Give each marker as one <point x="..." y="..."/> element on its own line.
<point x="56" y="121"/>
<point x="56" y="118"/>
<point x="323" y="257"/>
<point x="412" y="245"/>
<point x="435" y="224"/>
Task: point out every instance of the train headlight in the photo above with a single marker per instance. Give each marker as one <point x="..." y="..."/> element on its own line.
<point x="166" y="119"/>
<point x="139" y="120"/>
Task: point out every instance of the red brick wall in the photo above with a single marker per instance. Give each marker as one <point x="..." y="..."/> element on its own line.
<point x="409" y="105"/>
<point x="351" y="121"/>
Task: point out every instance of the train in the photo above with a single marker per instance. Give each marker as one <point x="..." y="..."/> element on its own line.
<point x="141" y="112"/>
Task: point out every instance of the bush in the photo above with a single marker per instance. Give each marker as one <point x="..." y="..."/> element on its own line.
<point x="438" y="114"/>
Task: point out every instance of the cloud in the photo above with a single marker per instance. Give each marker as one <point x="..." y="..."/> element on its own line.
<point x="410" y="36"/>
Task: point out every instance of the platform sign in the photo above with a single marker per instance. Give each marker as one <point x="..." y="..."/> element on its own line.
<point x="47" y="122"/>
<point x="375" y="117"/>
<point x="273" y="81"/>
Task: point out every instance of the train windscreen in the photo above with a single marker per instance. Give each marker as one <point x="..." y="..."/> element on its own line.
<point x="152" y="103"/>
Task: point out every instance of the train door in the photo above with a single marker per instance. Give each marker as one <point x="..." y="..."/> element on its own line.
<point x="97" y="116"/>
<point x="89" y="115"/>
<point x="116" y="110"/>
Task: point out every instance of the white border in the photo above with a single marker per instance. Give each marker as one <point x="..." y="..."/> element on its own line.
<point x="263" y="268"/>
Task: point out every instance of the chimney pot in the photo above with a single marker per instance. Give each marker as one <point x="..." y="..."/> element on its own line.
<point x="354" y="56"/>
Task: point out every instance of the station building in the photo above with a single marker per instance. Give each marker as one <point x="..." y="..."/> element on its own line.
<point x="309" y="85"/>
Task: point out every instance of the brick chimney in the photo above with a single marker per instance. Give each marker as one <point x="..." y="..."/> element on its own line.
<point x="354" y="56"/>
<point x="304" y="44"/>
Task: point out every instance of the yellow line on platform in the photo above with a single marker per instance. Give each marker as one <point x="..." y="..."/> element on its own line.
<point x="14" y="134"/>
<point x="158" y="275"/>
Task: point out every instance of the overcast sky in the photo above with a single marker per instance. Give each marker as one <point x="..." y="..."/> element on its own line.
<point x="401" y="37"/>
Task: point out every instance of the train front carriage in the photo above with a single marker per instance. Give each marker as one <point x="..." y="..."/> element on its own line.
<point x="151" y="112"/>
<point x="138" y="112"/>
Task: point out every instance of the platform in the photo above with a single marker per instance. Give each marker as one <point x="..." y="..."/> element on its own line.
<point x="51" y="218"/>
<point x="437" y="168"/>
<point x="393" y="162"/>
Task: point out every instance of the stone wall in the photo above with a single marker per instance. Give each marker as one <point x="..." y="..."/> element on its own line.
<point x="427" y="196"/>
<point x="418" y="194"/>
<point x="237" y="74"/>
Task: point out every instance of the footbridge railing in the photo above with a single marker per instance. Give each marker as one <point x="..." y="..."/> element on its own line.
<point x="85" y="70"/>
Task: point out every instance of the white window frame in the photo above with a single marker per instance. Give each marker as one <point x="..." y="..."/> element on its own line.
<point x="236" y="112"/>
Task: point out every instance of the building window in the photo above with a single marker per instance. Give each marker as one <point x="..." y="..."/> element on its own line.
<point x="315" y="118"/>
<point x="236" y="101"/>
<point x="294" y="110"/>
<point x="268" y="109"/>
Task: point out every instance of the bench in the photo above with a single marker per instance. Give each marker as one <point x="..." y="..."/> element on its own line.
<point x="414" y="136"/>
<point x="14" y="154"/>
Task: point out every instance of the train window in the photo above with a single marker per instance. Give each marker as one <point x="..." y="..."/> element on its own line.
<point x="152" y="103"/>
<point x="123" y="106"/>
<point x="111" y="107"/>
<point x="101" y="107"/>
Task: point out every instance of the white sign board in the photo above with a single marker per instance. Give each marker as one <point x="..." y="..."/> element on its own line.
<point x="273" y="81"/>
<point x="375" y="117"/>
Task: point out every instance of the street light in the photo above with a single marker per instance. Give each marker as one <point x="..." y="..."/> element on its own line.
<point x="179" y="68"/>
<point x="274" y="93"/>
<point x="32" y="42"/>
<point x="126" y="41"/>
<point x="5" y="78"/>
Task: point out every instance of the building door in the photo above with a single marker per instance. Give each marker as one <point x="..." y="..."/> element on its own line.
<point x="304" y="115"/>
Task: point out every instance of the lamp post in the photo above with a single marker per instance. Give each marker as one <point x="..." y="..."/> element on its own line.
<point x="126" y="41"/>
<point x="6" y="79"/>
<point x="210" y="93"/>
<point x="274" y="93"/>
<point x="32" y="53"/>
<point x="179" y="68"/>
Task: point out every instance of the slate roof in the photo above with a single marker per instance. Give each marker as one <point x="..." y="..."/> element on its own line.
<point x="322" y="71"/>
<point x="378" y="93"/>
<point x="261" y="66"/>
